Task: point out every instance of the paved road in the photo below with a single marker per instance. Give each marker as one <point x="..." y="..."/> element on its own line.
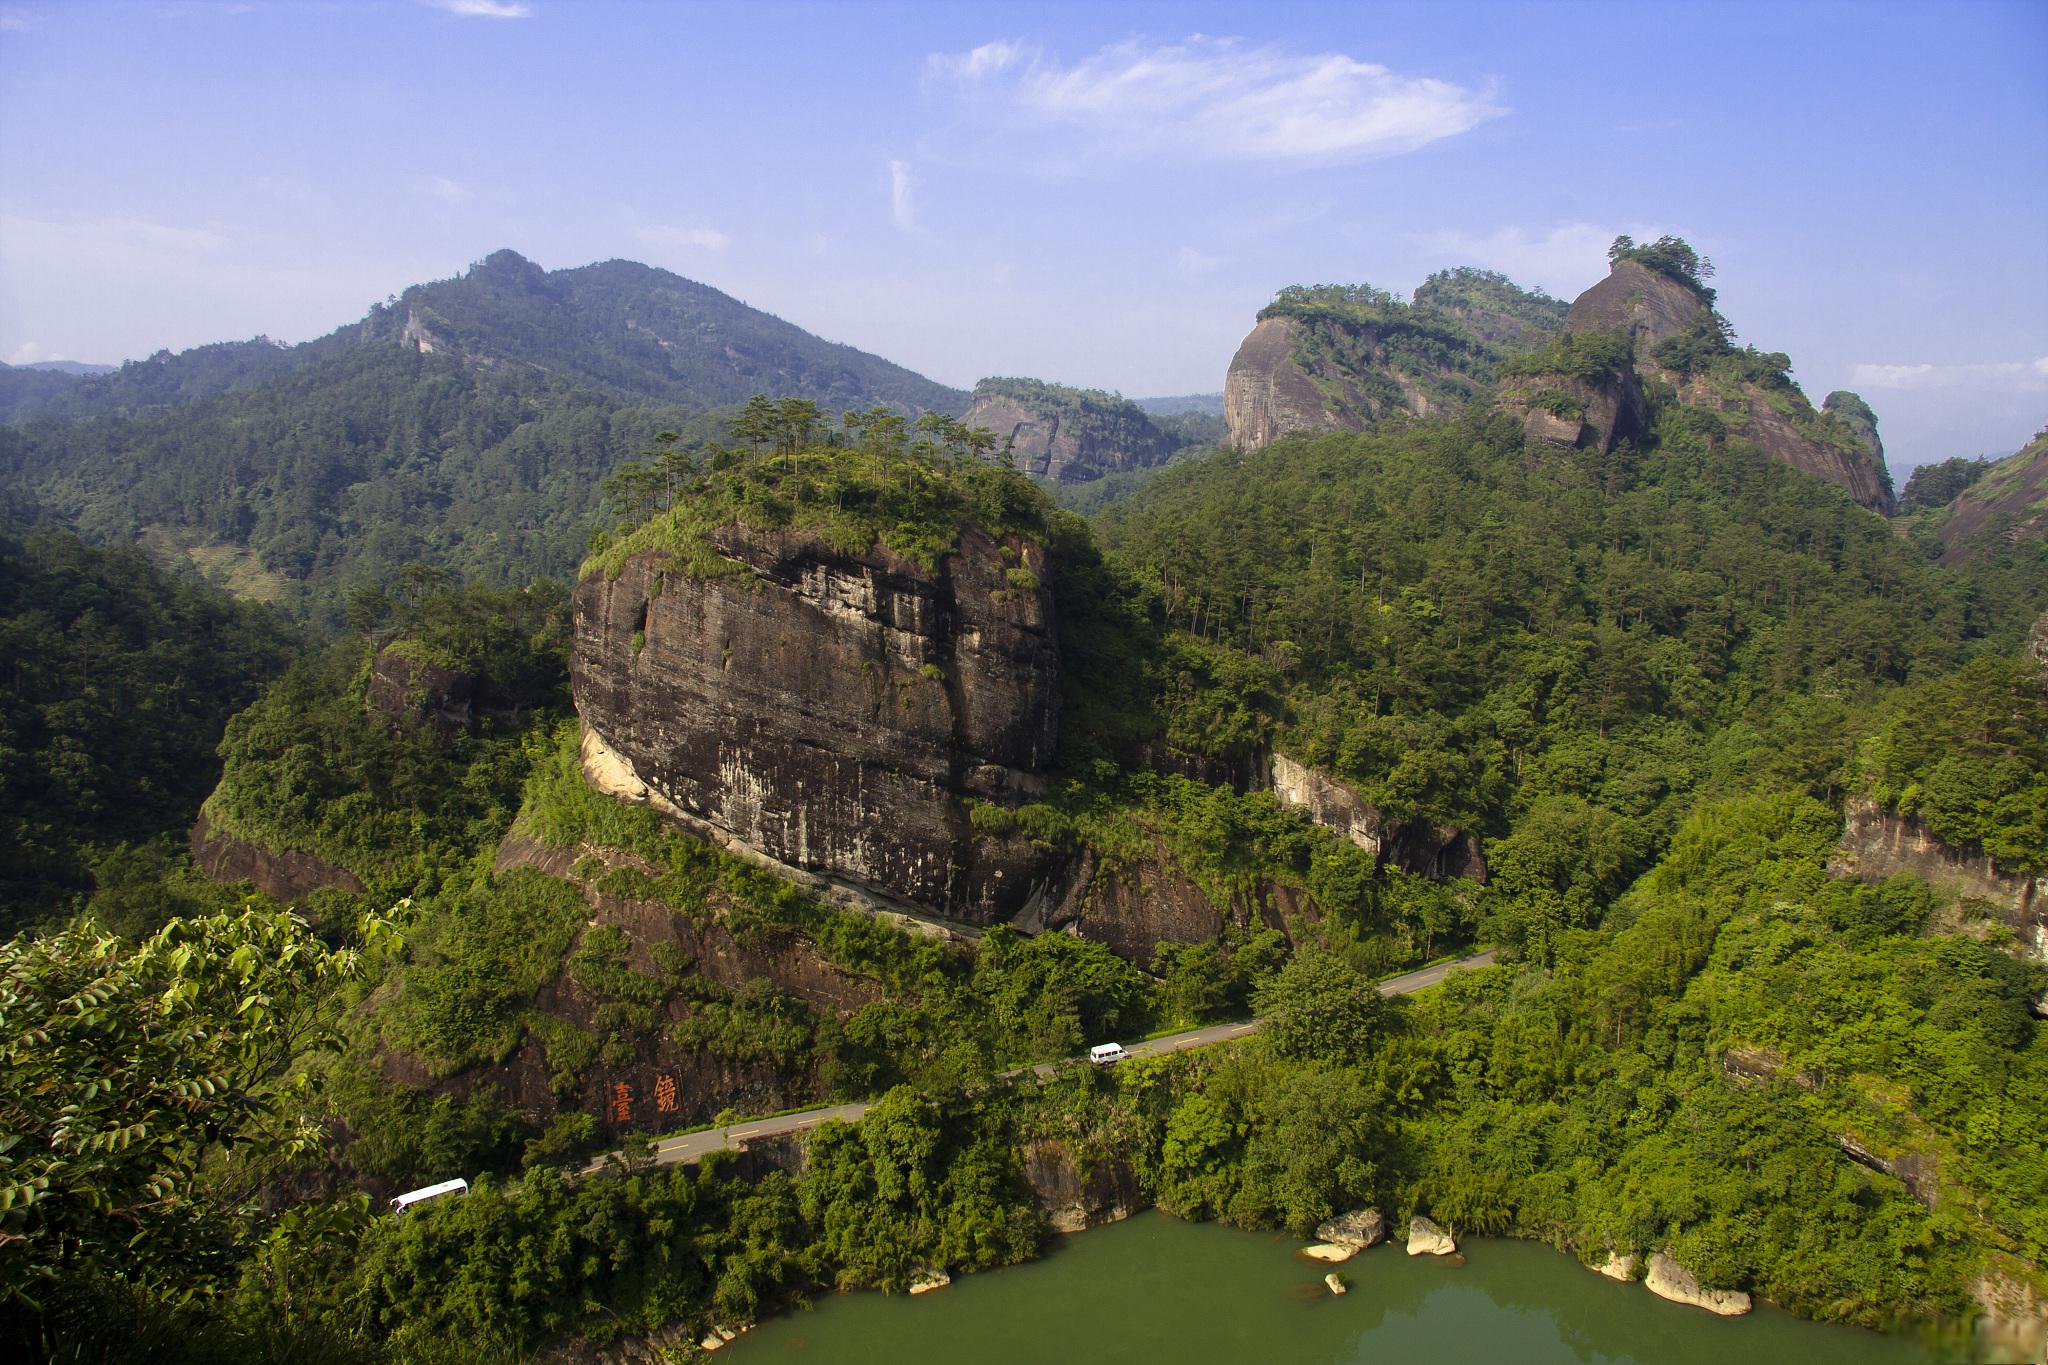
<point x="691" y="1147"/>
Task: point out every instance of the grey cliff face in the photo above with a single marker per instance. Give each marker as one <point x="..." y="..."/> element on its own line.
<point x="1048" y="446"/>
<point x="836" y="712"/>
<point x="1266" y="395"/>
<point x="1648" y="304"/>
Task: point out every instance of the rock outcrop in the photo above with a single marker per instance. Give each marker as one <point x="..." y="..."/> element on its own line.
<point x="1424" y="850"/>
<point x="284" y="876"/>
<point x="1066" y="435"/>
<point x="404" y="687"/>
<point x="1359" y="1229"/>
<point x="2008" y="506"/>
<point x="1136" y="904"/>
<point x="1673" y="341"/>
<point x="1879" y="843"/>
<point x="1667" y="1279"/>
<point x="1427" y="1239"/>
<point x="1345" y="358"/>
<point x="1617" y="1266"/>
<point x="835" y="712"/>
<point x="1075" y="1200"/>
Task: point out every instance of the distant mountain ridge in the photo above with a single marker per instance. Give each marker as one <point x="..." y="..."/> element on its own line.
<point x="469" y="423"/>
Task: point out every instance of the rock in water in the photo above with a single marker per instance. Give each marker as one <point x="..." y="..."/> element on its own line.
<point x="1427" y="1239"/>
<point x="1332" y="1252"/>
<point x="1358" y="1229"/>
<point x="1670" y="1280"/>
<point x="925" y="1281"/>
<point x="1619" y="1267"/>
<point x="1336" y="1283"/>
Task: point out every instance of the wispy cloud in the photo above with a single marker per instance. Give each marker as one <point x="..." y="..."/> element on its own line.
<point x="483" y="9"/>
<point x="446" y="190"/>
<point x="1213" y="99"/>
<point x="14" y="21"/>
<point x="901" y="204"/>
<point x="1193" y="262"/>
<point x="682" y="238"/>
<point x="2026" y="374"/>
<point x="1563" y="258"/>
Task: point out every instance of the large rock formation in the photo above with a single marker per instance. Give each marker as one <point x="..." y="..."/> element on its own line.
<point x="1345" y="358"/>
<point x="283" y="875"/>
<point x="834" y="711"/>
<point x="1673" y="341"/>
<point x="1076" y="1199"/>
<point x="1065" y="435"/>
<point x="1667" y="1279"/>
<point x="1424" y="850"/>
<point x="1878" y="843"/>
<point x="1425" y="1238"/>
<point x="2007" y="507"/>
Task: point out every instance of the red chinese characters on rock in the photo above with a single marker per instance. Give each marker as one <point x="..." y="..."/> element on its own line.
<point x="622" y="1103"/>
<point x="665" y="1094"/>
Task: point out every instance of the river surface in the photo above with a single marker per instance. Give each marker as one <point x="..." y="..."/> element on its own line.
<point x="1156" y="1289"/>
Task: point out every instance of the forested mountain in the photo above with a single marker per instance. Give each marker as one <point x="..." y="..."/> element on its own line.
<point x="852" y="767"/>
<point x="470" y="424"/>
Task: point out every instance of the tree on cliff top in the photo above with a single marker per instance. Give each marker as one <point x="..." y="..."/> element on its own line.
<point x="1668" y="255"/>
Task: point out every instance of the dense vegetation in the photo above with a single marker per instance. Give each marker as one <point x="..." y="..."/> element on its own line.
<point x="119" y="680"/>
<point x="1645" y="681"/>
<point x="1932" y="486"/>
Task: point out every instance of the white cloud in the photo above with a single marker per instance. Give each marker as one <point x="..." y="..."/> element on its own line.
<point x="30" y="353"/>
<point x="1193" y="262"/>
<point x="484" y="9"/>
<point x="2004" y="374"/>
<point x="14" y="21"/>
<point x="901" y="205"/>
<point x="683" y="238"/>
<point x="1563" y="259"/>
<point x="1215" y="99"/>
<point x="446" y="190"/>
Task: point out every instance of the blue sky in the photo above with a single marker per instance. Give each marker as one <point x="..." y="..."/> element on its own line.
<point x="1093" y="193"/>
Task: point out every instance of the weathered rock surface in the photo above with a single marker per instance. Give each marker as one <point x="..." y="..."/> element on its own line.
<point x="1786" y="436"/>
<point x="1877" y="843"/>
<point x="1074" y="1201"/>
<point x="1266" y="395"/>
<point x="1137" y="904"/>
<point x="1573" y="413"/>
<point x="1358" y="1229"/>
<point x="836" y="712"/>
<point x="2015" y="1321"/>
<point x="1333" y="1252"/>
<point x="1335" y="1284"/>
<point x="1649" y="305"/>
<point x="405" y="688"/>
<point x="2037" y="644"/>
<point x="1064" y="435"/>
<point x="925" y="1281"/>
<point x="281" y="875"/>
<point x="1667" y="1279"/>
<point x="1423" y="850"/>
<point x="1619" y="1267"/>
<point x="2007" y="507"/>
<point x="1427" y="1239"/>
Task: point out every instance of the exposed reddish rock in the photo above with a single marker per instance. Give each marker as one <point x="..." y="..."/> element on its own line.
<point x="1878" y="843"/>
<point x="282" y="876"/>
<point x="836" y="712"/>
<point x="1788" y="437"/>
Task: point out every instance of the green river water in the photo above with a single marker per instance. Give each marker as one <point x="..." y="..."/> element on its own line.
<point x="1155" y="1289"/>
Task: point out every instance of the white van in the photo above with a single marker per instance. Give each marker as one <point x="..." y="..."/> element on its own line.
<point x="421" y="1196"/>
<point x="1103" y="1054"/>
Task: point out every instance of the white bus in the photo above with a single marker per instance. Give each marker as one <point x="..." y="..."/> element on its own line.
<point x="1103" y="1054"/>
<point x="421" y="1196"/>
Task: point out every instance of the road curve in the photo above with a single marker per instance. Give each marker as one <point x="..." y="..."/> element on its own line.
<point x="690" y="1148"/>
